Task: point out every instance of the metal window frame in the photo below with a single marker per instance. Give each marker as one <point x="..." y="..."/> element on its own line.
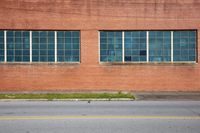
<point x="99" y="43"/>
<point x="123" y="47"/>
<point x="172" y="46"/>
<point x="30" y="36"/>
<point x="5" y="46"/>
<point x="147" y="47"/>
<point x="55" y="43"/>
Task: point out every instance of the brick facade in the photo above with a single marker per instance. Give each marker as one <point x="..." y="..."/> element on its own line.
<point x="90" y="16"/>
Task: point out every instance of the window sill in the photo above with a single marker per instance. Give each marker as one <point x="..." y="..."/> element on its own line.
<point x="147" y="63"/>
<point x="41" y="63"/>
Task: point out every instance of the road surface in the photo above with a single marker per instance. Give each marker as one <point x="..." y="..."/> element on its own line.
<point x="100" y="117"/>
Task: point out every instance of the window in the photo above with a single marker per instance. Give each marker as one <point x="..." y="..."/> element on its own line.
<point x="159" y="46"/>
<point x="39" y="46"/>
<point x="18" y="46"/>
<point x="148" y="46"/>
<point x="111" y="46"/>
<point x="43" y="46"/>
<point x="135" y="46"/>
<point x="1" y="46"/>
<point x="68" y="46"/>
<point x="184" y="46"/>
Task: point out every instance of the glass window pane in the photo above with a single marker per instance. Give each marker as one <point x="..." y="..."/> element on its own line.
<point x="1" y="33"/>
<point x="103" y="34"/>
<point x="35" y="34"/>
<point x="51" y="52"/>
<point x="43" y="58"/>
<point x="43" y="34"/>
<point x="1" y="58"/>
<point x="60" y="34"/>
<point x="192" y="34"/>
<point x="50" y="34"/>
<point x="68" y="34"/>
<point x="26" y="58"/>
<point x="51" y="58"/>
<point x="75" y="34"/>
<point x="25" y="34"/>
<point x="51" y="40"/>
<point x="18" y="34"/>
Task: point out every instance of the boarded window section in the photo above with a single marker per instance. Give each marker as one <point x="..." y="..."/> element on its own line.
<point x="43" y="46"/>
<point x="135" y="46"/>
<point x="1" y="46"/>
<point x="18" y="46"/>
<point x="110" y="46"/>
<point x="184" y="45"/>
<point x="159" y="46"/>
<point x="68" y="46"/>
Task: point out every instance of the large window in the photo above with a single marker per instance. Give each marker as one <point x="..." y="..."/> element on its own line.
<point x="43" y="46"/>
<point x="111" y="46"/>
<point x="39" y="46"/>
<point x="68" y="46"/>
<point x="1" y="46"/>
<point x="18" y="47"/>
<point x="135" y="46"/>
<point x="159" y="46"/>
<point x="148" y="46"/>
<point x="184" y="46"/>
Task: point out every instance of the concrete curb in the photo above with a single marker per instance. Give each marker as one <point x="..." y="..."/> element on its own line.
<point x="106" y="99"/>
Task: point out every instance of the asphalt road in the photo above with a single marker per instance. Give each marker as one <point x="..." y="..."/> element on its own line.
<point x="100" y="117"/>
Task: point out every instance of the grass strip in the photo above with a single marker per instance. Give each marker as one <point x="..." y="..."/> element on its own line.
<point x="51" y="96"/>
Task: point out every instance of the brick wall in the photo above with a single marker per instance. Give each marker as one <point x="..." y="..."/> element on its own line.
<point x="89" y="16"/>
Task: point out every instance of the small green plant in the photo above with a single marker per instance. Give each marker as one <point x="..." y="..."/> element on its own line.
<point x="119" y="92"/>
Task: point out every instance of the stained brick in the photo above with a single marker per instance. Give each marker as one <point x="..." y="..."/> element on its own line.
<point x="89" y="16"/>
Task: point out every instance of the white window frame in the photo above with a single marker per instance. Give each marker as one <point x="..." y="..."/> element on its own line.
<point x="172" y="46"/>
<point x="55" y="41"/>
<point x="147" y="46"/>
<point x="5" y="46"/>
<point x="30" y="36"/>
<point x="123" y="47"/>
<point x="99" y="47"/>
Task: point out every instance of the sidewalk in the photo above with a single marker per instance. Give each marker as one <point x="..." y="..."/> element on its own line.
<point x="167" y="96"/>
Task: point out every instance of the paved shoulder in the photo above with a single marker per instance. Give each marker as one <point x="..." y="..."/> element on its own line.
<point x="168" y="96"/>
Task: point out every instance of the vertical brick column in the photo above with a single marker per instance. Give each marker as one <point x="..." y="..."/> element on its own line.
<point x="89" y="47"/>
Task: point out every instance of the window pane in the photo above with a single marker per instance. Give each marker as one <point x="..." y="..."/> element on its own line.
<point x="75" y="34"/>
<point x="1" y="34"/>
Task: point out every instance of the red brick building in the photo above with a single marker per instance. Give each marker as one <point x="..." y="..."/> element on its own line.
<point x="94" y="21"/>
